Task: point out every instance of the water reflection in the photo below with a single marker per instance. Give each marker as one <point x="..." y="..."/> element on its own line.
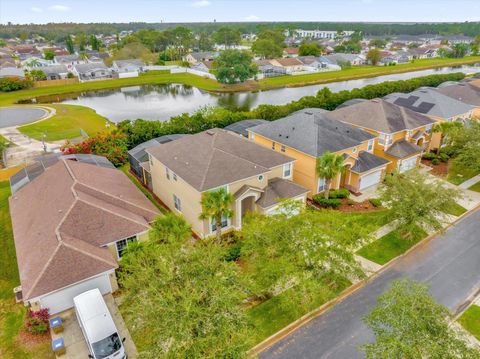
<point x="160" y="102"/>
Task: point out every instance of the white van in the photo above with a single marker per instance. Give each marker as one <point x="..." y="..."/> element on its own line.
<point x="98" y="327"/>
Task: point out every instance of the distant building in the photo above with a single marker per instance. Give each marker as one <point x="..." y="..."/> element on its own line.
<point x="55" y="72"/>
<point x="317" y="34"/>
<point x="93" y="71"/>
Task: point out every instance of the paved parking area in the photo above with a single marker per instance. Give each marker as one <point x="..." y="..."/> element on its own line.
<point x="75" y="342"/>
<point x="15" y="116"/>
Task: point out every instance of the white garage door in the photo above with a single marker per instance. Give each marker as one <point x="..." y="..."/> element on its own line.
<point x="370" y="179"/>
<point x="63" y="299"/>
<point x="408" y="164"/>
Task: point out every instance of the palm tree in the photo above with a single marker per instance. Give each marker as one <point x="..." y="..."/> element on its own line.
<point x="216" y="204"/>
<point x="170" y="229"/>
<point x="329" y="165"/>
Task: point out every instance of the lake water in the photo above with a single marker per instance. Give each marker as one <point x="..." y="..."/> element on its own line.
<point x="160" y="102"/>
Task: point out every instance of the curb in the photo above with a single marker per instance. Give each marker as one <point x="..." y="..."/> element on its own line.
<point x="282" y="333"/>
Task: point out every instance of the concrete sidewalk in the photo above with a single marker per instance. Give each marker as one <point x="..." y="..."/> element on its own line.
<point x="470" y="182"/>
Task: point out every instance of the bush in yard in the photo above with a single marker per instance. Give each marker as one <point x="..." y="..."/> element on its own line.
<point x="375" y="202"/>
<point x="37" y="321"/>
<point x="8" y="84"/>
<point x="327" y="202"/>
<point x="339" y="193"/>
<point x="444" y="157"/>
<point x="113" y="146"/>
<point x="234" y="252"/>
<point x="435" y="161"/>
<point x="429" y="156"/>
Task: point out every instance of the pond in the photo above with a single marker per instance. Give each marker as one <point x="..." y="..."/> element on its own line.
<point x="160" y="102"/>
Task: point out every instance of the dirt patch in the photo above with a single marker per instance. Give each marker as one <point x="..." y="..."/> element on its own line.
<point x="349" y="206"/>
<point x="440" y="170"/>
<point x="29" y="340"/>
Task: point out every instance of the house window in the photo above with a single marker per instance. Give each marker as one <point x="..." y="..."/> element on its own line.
<point x="273" y="145"/>
<point x="123" y="244"/>
<point x="354" y="150"/>
<point x="213" y="225"/>
<point x="287" y="170"/>
<point x="370" y="145"/>
<point x="409" y="134"/>
<point x="178" y="203"/>
<point x="389" y="139"/>
<point x="252" y="136"/>
<point x="174" y="176"/>
<point x="260" y="178"/>
<point x="282" y="149"/>
<point x="321" y="185"/>
<point x="428" y="128"/>
<point x="381" y="139"/>
<point x="167" y="173"/>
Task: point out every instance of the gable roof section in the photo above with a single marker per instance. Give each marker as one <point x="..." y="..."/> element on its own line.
<point x="215" y="158"/>
<point x="403" y="148"/>
<point x="278" y="189"/>
<point x="241" y="127"/>
<point x="381" y="116"/>
<point x="367" y="161"/>
<point x="63" y="217"/>
<point x="430" y="101"/>
<point x="464" y="92"/>
<point x="312" y="132"/>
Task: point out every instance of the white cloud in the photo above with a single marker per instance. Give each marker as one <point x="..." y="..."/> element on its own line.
<point x="59" y="8"/>
<point x="252" y="18"/>
<point x="201" y="3"/>
<point x="36" y="9"/>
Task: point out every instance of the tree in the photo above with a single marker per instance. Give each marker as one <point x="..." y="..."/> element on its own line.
<point x="95" y="43"/>
<point x="69" y="44"/>
<point x="448" y="131"/>
<point x="328" y="166"/>
<point x="48" y="55"/>
<point x="267" y="48"/>
<point x="409" y="324"/>
<point x="415" y="199"/>
<point x="133" y="50"/>
<point x="374" y="56"/>
<point x="227" y="36"/>
<point x="170" y="228"/>
<point x="234" y="65"/>
<point x="276" y="36"/>
<point x="309" y="49"/>
<point x="81" y="41"/>
<point x="204" y="42"/>
<point x="37" y="75"/>
<point x="190" y="303"/>
<point x="215" y="206"/>
<point x="378" y="43"/>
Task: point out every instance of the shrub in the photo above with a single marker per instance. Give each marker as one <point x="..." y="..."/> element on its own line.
<point x="429" y="156"/>
<point x="435" y="161"/>
<point x="327" y="203"/>
<point x="37" y="321"/>
<point x="233" y="252"/>
<point x="375" y="202"/>
<point x="339" y="193"/>
<point x="350" y="202"/>
<point x="444" y="157"/>
<point x="8" y="84"/>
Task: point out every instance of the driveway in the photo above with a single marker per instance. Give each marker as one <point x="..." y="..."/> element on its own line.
<point x="449" y="264"/>
<point x="16" y="116"/>
<point x="74" y="340"/>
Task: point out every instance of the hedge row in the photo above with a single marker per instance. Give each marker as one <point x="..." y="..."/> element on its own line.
<point x="139" y="131"/>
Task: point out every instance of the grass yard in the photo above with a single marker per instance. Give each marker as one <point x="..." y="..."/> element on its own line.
<point x="475" y="187"/>
<point x="66" y="124"/>
<point x="470" y="320"/>
<point x="458" y="176"/>
<point x="454" y="209"/>
<point x="11" y="314"/>
<point x="390" y="246"/>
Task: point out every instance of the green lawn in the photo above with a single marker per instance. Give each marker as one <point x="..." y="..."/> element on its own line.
<point x="460" y="175"/>
<point x="470" y="320"/>
<point x="475" y="187"/>
<point x="66" y="124"/>
<point x="390" y="246"/>
<point x="162" y="77"/>
<point x="11" y="314"/>
<point x="454" y="209"/>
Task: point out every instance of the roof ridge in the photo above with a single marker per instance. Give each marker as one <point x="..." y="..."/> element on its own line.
<point x="71" y="246"/>
<point x="42" y="272"/>
<point x="209" y="160"/>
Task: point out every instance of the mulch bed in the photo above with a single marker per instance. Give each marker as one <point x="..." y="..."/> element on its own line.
<point x="440" y="170"/>
<point x="364" y="206"/>
<point x="29" y="340"/>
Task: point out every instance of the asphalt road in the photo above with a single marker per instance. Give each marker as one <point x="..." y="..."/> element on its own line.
<point x="14" y="116"/>
<point x="449" y="264"/>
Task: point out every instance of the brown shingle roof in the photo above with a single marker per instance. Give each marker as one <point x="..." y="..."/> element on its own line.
<point x="289" y="61"/>
<point x="63" y="217"/>
<point x="215" y="158"/>
<point x="402" y="149"/>
<point x="278" y="189"/>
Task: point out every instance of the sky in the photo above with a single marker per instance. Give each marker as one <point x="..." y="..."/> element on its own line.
<point x="44" y="11"/>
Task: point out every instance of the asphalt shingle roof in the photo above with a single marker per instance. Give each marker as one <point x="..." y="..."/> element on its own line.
<point x="464" y="92"/>
<point x="241" y="127"/>
<point x="403" y="148"/>
<point x="381" y="116"/>
<point x="277" y="189"/>
<point x="367" y="161"/>
<point x="312" y="132"/>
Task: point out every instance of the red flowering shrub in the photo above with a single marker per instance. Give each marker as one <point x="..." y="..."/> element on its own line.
<point x="113" y="146"/>
<point x="37" y="321"/>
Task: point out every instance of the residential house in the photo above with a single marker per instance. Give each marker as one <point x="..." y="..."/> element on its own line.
<point x="132" y="66"/>
<point x="57" y="51"/>
<point x="203" y="66"/>
<point x="458" y="39"/>
<point x="96" y="56"/>
<point x="339" y="59"/>
<point x="35" y="62"/>
<point x="7" y="62"/>
<point x="12" y="72"/>
<point x="401" y="134"/>
<point x="24" y="52"/>
<point x="55" y="72"/>
<point x="196" y="57"/>
<point x="434" y="104"/>
<point x="317" y="34"/>
<point x="423" y="52"/>
<point x="138" y="157"/>
<point x="307" y="134"/>
<point x="313" y="63"/>
<point x="290" y="64"/>
<point x="465" y="92"/>
<point x="241" y="127"/>
<point x="69" y="60"/>
<point x="71" y="226"/>
<point x="257" y="177"/>
<point x="92" y="71"/>
<point x="266" y="69"/>
<point x="290" y="52"/>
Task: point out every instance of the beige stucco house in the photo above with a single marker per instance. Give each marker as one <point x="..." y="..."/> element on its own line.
<point x="257" y="177"/>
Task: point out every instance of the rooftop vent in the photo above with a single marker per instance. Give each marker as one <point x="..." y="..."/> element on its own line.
<point x="308" y="113"/>
<point x="210" y="132"/>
